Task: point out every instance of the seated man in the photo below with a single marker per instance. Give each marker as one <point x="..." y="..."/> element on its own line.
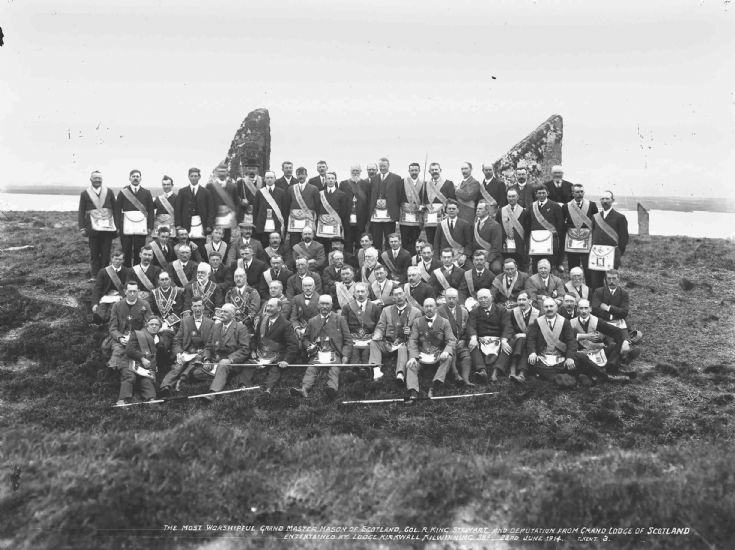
<point x="417" y="290"/>
<point x="309" y="249"/>
<point x="552" y="345"/>
<point x="611" y="303"/>
<point x="163" y="248"/>
<point x="600" y="344"/>
<point x="244" y="299"/>
<point x="244" y="239"/>
<point x="544" y="285"/>
<point x="458" y="316"/>
<point x="361" y="316"/>
<point x="253" y="267"/>
<point x="220" y="274"/>
<point x="344" y="291"/>
<point x="206" y="289"/>
<point x="367" y="271"/>
<point x="277" y="272"/>
<point x="575" y="286"/>
<point x="182" y="239"/>
<point x="381" y="290"/>
<point x="509" y="284"/>
<point x="326" y="334"/>
<point x="126" y="316"/>
<point x="305" y="306"/>
<point x="145" y="273"/>
<point x="275" y="248"/>
<point x="475" y="279"/>
<point x="445" y="277"/>
<point x="167" y="302"/>
<point x="391" y="334"/>
<point x="427" y="263"/>
<point x="109" y="287"/>
<point x="276" y="291"/>
<point x="274" y="346"/>
<point x="295" y="281"/>
<point x="182" y="270"/>
<point x="141" y="351"/>
<point x="568" y="308"/>
<point x="366" y="241"/>
<point x="396" y="259"/>
<point x="489" y="330"/>
<point x="431" y="343"/>
<point x="521" y="318"/>
<point x="228" y="344"/>
<point x="188" y="348"/>
<point x="331" y="274"/>
<point x="216" y="244"/>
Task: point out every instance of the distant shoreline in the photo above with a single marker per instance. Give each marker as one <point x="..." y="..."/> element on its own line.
<point x="677" y="204"/>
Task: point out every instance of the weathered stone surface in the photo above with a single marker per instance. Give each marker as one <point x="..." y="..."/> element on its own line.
<point x="251" y="144"/>
<point x="538" y="151"/>
<point x="643" y="226"/>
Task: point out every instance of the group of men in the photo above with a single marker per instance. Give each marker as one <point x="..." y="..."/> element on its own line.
<point x="183" y="294"/>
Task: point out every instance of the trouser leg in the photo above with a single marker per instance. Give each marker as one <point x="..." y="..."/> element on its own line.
<point x="597" y="279"/>
<point x="401" y="359"/>
<point x="409" y="234"/>
<point x="442" y="370"/>
<point x="310" y="377"/>
<point x="126" y="243"/>
<point x="412" y="376"/>
<point x="245" y="376"/>
<point x="127" y="381"/>
<point x="333" y="378"/>
<point x="173" y="375"/>
<point x="147" y="388"/>
<point x="478" y="361"/>
<point x="430" y="234"/>
<point x="118" y="359"/>
<point x="502" y="362"/>
<point x="352" y="238"/>
<point x="522" y="364"/>
<point x="274" y="375"/>
<point x="463" y="361"/>
<point x="220" y="378"/>
<point x="586" y="366"/>
<point x="377" y="349"/>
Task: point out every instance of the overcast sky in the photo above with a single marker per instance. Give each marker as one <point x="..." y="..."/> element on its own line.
<point x="646" y="88"/>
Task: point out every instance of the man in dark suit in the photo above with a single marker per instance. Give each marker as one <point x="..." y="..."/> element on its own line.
<point x="515" y="223"/>
<point x="578" y="214"/>
<point x="274" y="343"/>
<point x="544" y="285"/>
<point x="165" y="300"/>
<point x="244" y="239"/>
<point x="288" y="179"/>
<point x="508" y="285"/>
<point x="454" y="232"/>
<point x="331" y="274"/>
<point x="183" y="269"/>
<point x="294" y="285"/>
<point x="194" y="209"/>
<point x="417" y="291"/>
<point x="559" y="189"/>
<point x="437" y="191"/>
<point x="546" y="216"/>
<point x="467" y="193"/>
<point x="252" y="267"/>
<point x="458" y="316"/>
<point x="361" y="316"/>
<point x="431" y="342"/>
<point x="410" y="193"/>
<point x="396" y="259"/>
<point x="206" y="289"/>
<point x="245" y="299"/>
<point x="110" y="281"/>
<point x="96" y="210"/>
<point x="228" y="344"/>
<point x="191" y="338"/>
<point x="277" y="272"/>
<point x="225" y="201"/>
<point x="475" y="279"/>
<point x="551" y="336"/>
<point x="336" y="217"/>
<point x="134" y="217"/>
<point x="145" y="273"/>
<point x="221" y="274"/>
<point x="247" y="189"/>
<point x="445" y="277"/>
<point x="320" y="180"/>
<point x="305" y="306"/>
<point x="141" y="349"/>
<point x="488" y="235"/>
<point x="610" y="302"/>
<point x="358" y="198"/>
<point x="568" y="308"/>
<point x="489" y="329"/>
<point x="594" y="334"/>
<point x="610" y="229"/>
<point x="326" y="333"/>
<point x="275" y="248"/>
<point x="310" y="250"/>
<point x="165" y="205"/>
<point x="521" y="317"/>
<point x="126" y="316"/>
<point x="525" y="189"/>
<point x="163" y="248"/>
<point x="269" y="210"/>
<point x="493" y="186"/>
<point x="384" y="204"/>
<point x="302" y="203"/>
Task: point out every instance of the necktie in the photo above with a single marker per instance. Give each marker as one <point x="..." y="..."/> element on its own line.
<point x="451" y="225"/>
<point x="430" y="322"/>
<point x="512" y="207"/>
<point x="165" y="249"/>
<point x="362" y="308"/>
<point x="270" y="190"/>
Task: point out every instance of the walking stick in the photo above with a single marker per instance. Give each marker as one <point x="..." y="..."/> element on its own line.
<point x="180" y="397"/>
<point x="406" y="400"/>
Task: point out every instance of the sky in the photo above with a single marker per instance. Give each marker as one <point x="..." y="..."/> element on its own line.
<point x="646" y="89"/>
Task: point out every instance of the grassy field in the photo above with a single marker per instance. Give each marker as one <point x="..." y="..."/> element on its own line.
<point x="656" y="453"/>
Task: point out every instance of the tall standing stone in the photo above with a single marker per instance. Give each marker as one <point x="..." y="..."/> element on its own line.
<point x="643" y="228"/>
<point x="538" y="151"/>
<point x="251" y="144"/>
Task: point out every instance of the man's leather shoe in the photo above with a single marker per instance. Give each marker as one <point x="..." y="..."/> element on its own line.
<point x="401" y="380"/>
<point x="331" y="393"/>
<point x="297" y="392"/>
<point x="436" y="389"/>
<point x="480" y="377"/>
<point x="412" y="396"/>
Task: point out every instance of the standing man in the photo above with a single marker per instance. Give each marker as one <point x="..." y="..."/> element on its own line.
<point x="609" y="239"/>
<point x="247" y="188"/>
<point x="526" y="191"/>
<point x="268" y="210"/>
<point x="320" y="180"/>
<point x="559" y="189"/>
<point x="410" y="198"/>
<point x="431" y="342"/>
<point x="468" y="193"/>
<point x="492" y="188"/>
<point x="578" y="224"/>
<point x="488" y="235"/>
<point x="547" y="226"/>
<point x="134" y="217"/>
<point x="358" y="195"/>
<point x="96" y="221"/>
<point x="454" y="232"/>
<point x="384" y="204"/>
<point x="436" y="193"/>
<point x="164" y="205"/>
<point x="285" y="181"/>
<point x="515" y="222"/>
<point x="301" y="204"/>
<point x="195" y="210"/>
<point x="332" y="211"/>
<point x="225" y="201"/>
